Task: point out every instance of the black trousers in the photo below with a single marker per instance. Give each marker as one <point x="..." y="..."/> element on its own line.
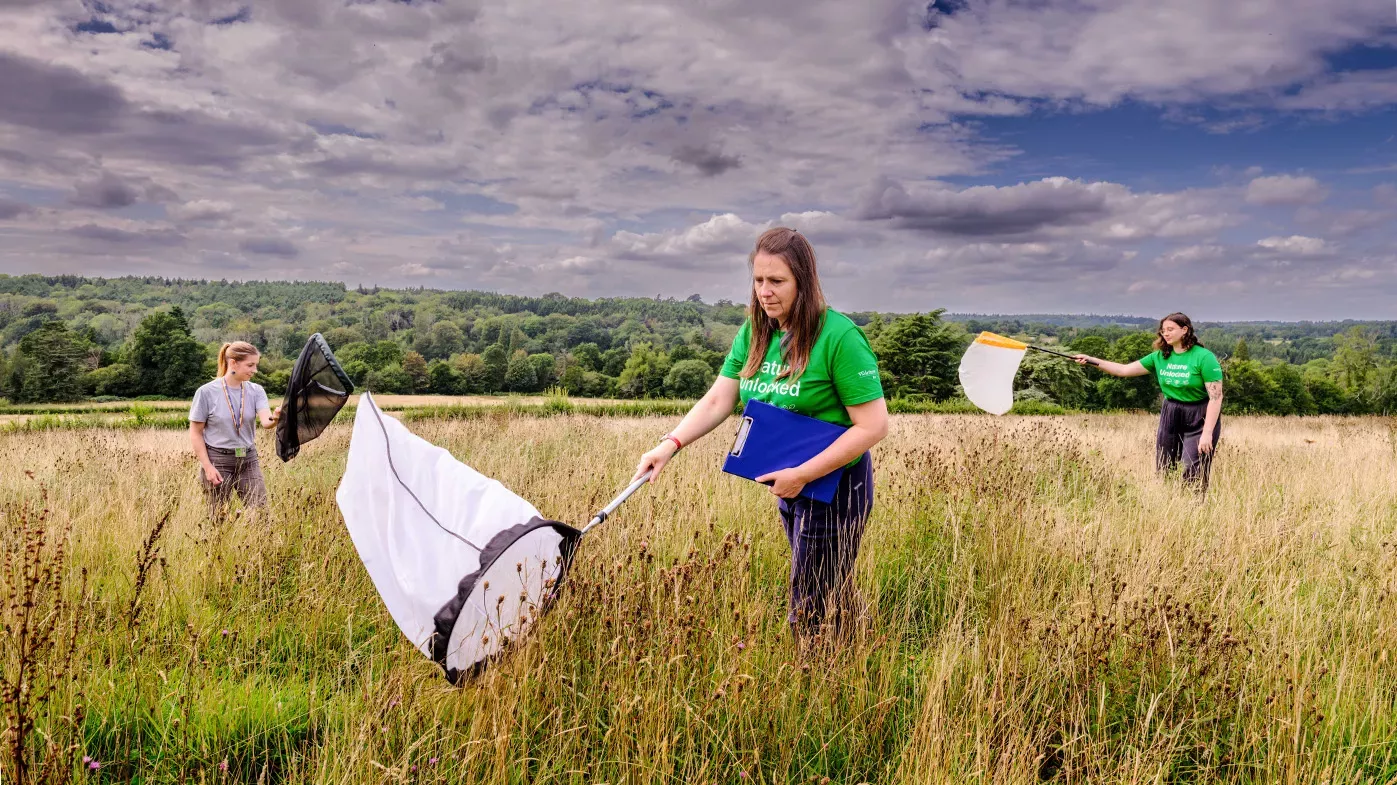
<point x="825" y="542"/>
<point x="1180" y="428"/>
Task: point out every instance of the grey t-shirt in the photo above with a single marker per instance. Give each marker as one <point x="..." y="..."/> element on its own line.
<point x="211" y="407"/>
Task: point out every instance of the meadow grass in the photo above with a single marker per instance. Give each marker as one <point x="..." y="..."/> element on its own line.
<point x="1040" y="605"/>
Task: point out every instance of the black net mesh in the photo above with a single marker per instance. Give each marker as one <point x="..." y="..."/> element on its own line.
<point x="316" y="392"/>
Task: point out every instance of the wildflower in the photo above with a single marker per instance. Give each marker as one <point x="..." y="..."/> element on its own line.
<point x="94" y="765"/>
<point x="224" y="633"/>
<point x="223" y="765"/>
<point x="431" y="761"/>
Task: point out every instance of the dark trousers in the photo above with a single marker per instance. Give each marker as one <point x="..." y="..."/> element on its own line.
<point x="240" y="475"/>
<point x="824" y="542"/>
<point x="1180" y="427"/>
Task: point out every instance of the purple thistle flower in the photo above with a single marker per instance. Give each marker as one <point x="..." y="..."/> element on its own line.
<point x="94" y="765"/>
<point x="432" y="761"/>
<point x="223" y="765"/>
<point x="86" y="759"/>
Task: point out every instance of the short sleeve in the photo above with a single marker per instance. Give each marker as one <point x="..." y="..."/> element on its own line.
<point x="737" y="355"/>
<point x="1210" y="368"/>
<point x="260" y="401"/>
<point x="854" y="368"/>
<point x="199" y="409"/>
<point x="1148" y="361"/>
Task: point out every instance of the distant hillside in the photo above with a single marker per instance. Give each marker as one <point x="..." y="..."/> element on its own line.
<point x="64" y="337"/>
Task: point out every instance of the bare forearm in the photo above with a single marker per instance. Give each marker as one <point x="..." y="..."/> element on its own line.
<point x="196" y="440"/>
<point x="707" y="414"/>
<point x="1115" y="369"/>
<point x="1214" y="410"/>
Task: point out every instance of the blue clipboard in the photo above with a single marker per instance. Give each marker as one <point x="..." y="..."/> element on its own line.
<point x="771" y="438"/>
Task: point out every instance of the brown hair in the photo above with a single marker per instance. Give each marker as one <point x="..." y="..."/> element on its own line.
<point x="807" y="312"/>
<point x="1190" y="339"/>
<point x="236" y="351"/>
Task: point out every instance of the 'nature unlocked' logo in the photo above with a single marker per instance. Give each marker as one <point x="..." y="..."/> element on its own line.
<point x="1175" y="373"/>
<point x="762" y="386"/>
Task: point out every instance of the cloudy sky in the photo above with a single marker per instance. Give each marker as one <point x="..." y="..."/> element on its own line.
<point x="1237" y="160"/>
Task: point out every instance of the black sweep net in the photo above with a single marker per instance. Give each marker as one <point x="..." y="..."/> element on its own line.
<point x="318" y="389"/>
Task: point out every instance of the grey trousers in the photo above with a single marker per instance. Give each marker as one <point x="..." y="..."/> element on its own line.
<point x="242" y="476"/>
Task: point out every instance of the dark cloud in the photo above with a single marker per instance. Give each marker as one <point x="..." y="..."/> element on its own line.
<point x="983" y="210"/>
<point x="125" y="237"/>
<point x="270" y="246"/>
<point x="11" y="209"/>
<point x="710" y="162"/>
<point x="105" y="192"/>
<point x="57" y="98"/>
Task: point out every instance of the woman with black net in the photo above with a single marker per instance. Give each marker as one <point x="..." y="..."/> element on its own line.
<point x="223" y="434"/>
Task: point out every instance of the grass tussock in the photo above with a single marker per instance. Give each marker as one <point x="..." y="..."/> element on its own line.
<point x="1039" y="606"/>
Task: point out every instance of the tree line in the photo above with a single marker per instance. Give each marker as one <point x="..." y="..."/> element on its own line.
<point x="69" y="338"/>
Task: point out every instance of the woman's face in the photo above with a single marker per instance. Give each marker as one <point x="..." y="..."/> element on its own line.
<point x="1172" y="332"/>
<point x="242" y="370"/>
<point x="774" y="286"/>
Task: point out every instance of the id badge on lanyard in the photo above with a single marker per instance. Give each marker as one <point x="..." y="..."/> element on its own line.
<point x="238" y="452"/>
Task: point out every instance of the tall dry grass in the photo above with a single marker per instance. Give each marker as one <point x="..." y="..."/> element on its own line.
<point x="1041" y="605"/>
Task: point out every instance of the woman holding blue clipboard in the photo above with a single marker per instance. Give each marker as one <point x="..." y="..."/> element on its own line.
<point x="796" y="353"/>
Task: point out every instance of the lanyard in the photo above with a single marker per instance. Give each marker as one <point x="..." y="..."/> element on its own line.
<point x="242" y="401"/>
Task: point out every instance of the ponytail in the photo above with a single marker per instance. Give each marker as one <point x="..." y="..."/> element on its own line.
<point x="234" y="351"/>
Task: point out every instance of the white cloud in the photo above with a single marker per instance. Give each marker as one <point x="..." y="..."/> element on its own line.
<point x="203" y="210"/>
<point x="1285" y="190"/>
<point x="1295" y="245"/>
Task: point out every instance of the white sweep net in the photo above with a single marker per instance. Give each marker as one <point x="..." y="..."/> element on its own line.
<point x="987" y="373"/>
<point x="424" y="524"/>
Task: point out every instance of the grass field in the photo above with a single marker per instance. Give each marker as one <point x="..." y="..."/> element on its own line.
<point x="1040" y="605"/>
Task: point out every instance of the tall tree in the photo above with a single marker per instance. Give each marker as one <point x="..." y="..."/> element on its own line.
<point x="919" y="354"/>
<point x="496" y="366"/>
<point x="162" y="350"/>
<point x="520" y="375"/>
<point x="50" y="364"/>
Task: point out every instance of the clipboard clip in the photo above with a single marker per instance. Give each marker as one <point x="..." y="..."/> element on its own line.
<point x="738" y="443"/>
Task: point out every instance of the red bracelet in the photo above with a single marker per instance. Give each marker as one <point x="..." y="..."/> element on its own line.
<point x="677" y="444"/>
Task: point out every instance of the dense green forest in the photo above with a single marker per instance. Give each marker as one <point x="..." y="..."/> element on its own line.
<point x="69" y="338"/>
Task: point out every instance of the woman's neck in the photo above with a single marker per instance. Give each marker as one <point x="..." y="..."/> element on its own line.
<point x="1178" y="347"/>
<point x="232" y="381"/>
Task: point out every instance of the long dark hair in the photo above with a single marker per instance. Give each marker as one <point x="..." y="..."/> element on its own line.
<point x="807" y="312"/>
<point x="1190" y="338"/>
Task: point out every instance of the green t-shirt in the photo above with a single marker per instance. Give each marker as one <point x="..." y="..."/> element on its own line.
<point x="1183" y="375"/>
<point x="843" y="371"/>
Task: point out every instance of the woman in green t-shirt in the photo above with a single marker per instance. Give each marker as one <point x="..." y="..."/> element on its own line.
<point x="797" y="353"/>
<point x="1189" y="375"/>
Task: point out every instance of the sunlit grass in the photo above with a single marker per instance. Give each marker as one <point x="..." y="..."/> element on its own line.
<point x="1039" y="603"/>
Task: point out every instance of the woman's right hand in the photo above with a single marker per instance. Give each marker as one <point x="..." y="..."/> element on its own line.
<point x="1086" y="359"/>
<point x="211" y="474"/>
<point x="655" y="460"/>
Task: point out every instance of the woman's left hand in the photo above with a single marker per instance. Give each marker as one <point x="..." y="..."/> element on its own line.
<point x="786" y="483"/>
<point x="1205" y="444"/>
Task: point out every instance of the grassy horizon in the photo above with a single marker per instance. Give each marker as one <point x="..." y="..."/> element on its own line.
<point x="1040" y="603"/>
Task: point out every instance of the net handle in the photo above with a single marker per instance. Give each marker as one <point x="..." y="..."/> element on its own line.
<point x="616" y="502"/>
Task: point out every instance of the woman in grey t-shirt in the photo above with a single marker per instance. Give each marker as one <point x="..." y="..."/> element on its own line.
<point x="223" y="429"/>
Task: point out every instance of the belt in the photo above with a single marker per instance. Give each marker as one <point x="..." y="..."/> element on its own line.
<point x="251" y="451"/>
